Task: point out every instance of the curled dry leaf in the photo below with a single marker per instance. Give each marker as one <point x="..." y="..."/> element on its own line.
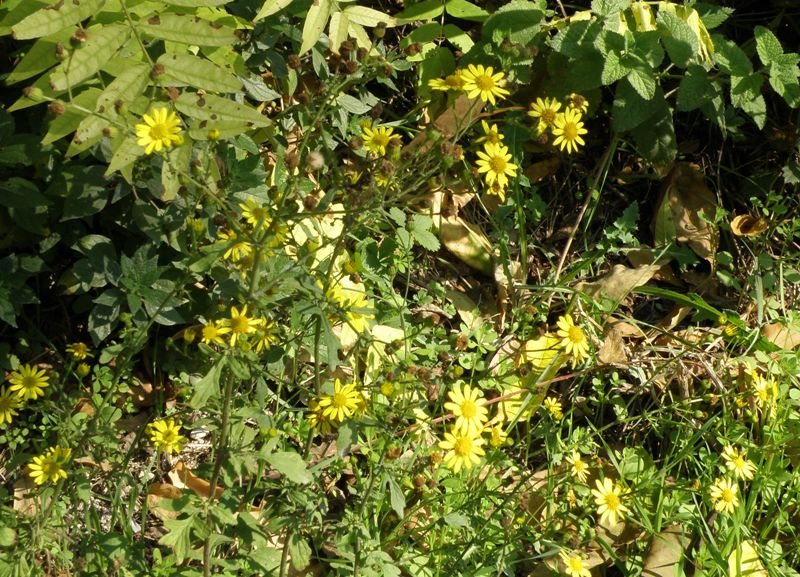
<point x="619" y="282"/>
<point x="612" y="351"/>
<point x="465" y="240"/>
<point x="748" y="225"/>
<point x="782" y="336"/>
<point x="182" y="477"/>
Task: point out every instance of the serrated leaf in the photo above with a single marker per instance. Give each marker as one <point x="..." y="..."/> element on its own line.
<point x="643" y="81"/>
<point x="208" y="386"/>
<point x="655" y="139"/>
<point x="271" y="7"/>
<point x="368" y="16"/>
<point x="291" y="465"/>
<point x="187" y="30"/>
<point x="56" y="17"/>
<point x="631" y="109"/>
<point x="730" y="58"/>
<point x="613" y="69"/>
<point x="68" y="122"/>
<point x="314" y="24"/>
<point x="179" y="537"/>
<point x="679" y="39"/>
<point x="577" y="38"/>
<point x="465" y="10"/>
<point x="101" y="44"/>
<point x="337" y="30"/>
<point x="184" y="69"/>
<point x="695" y="89"/>
<point x="40" y="57"/>
<point x="767" y="45"/>
<point x="608" y="7"/>
<point x="519" y="21"/>
<point x="216" y="108"/>
<point x="458" y="38"/>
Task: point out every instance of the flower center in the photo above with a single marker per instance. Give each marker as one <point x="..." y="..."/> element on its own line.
<point x="469" y="409"/>
<point x="339" y="400"/>
<point x="548" y="116"/>
<point x="50" y="468"/>
<point x="738" y="462"/>
<point x="381" y="139"/>
<point x="454" y="81"/>
<point x="579" y="466"/>
<point x="29" y="382"/>
<point x="612" y="501"/>
<point x="463" y="446"/>
<point x="240" y="324"/>
<point x="570" y="131"/>
<point x="576" y="335"/>
<point x="575" y="565"/>
<point x="484" y="82"/>
<point x="159" y="131"/>
<point x="727" y="495"/>
<point x="498" y="164"/>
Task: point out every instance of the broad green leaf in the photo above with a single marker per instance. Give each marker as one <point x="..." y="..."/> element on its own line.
<point x="767" y="45"/>
<point x="314" y="24"/>
<point x="291" y="465"/>
<point x="84" y="190"/>
<point x="655" y="139"/>
<point x="42" y="83"/>
<point x="208" y="386"/>
<point x="337" y="30"/>
<point x="187" y="30"/>
<point x="630" y="108"/>
<point x="179" y="537"/>
<point x="730" y="58"/>
<point x="40" y="57"/>
<point x="574" y="40"/>
<point x="128" y="86"/>
<point x="458" y="38"/>
<point x="184" y="69"/>
<point x="695" y="88"/>
<point x="368" y="17"/>
<point x="352" y="104"/>
<point x="438" y="62"/>
<point x="299" y="552"/>
<point x="361" y="37"/>
<point x="643" y="81"/>
<point x="396" y="498"/>
<point x="101" y="44"/>
<point x="56" y="17"/>
<point x="465" y="10"/>
<point x="227" y="129"/>
<point x="196" y="3"/>
<point x="214" y="108"/>
<point x="126" y="151"/>
<point x="18" y="13"/>
<point x="271" y="7"/>
<point x="519" y="21"/>
<point x="68" y="122"/>
<point x="679" y="39"/>
<point x="425" y="10"/>
<point x="614" y="69"/>
<point x="608" y="7"/>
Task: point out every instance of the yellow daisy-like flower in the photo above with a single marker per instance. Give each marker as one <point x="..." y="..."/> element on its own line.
<point x="577" y="102"/>
<point x="355" y="306"/>
<point x="491" y="134"/>
<point x="212" y="333"/>
<point x="255" y="213"/>
<point x="454" y="81"/>
<point x="765" y="388"/>
<point x="317" y="420"/>
<point x="28" y="382"/>
<point x="573" y="339"/>
<point x="546" y="111"/>
<point x="9" y="403"/>
<point x="495" y="161"/>
<point x="160" y="130"/>
<point x="238" y="249"/>
<point x="463" y="450"/>
<point x="568" y="131"/>
<point x="79" y="351"/>
<point x="343" y="403"/>
<point x="737" y="462"/>
<point x="573" y="565"/>
<point x="49" y="466"/>
<point x="498" y="436"/>
<point x="484" y="83"/>
<point x="554" y="407"/>
<point x="608" y="498"/>
<point x="240" y="324"/>
<point x="165" y="434"/>
<point x="579" y="467"/>
<point x="724" y="493"/>
<point x="266" y="336"/>
<point x="468" y="407"/>
<point x="377" y="138"/>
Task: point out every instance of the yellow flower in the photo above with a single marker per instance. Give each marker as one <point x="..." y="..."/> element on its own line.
<point x="608" y="498"/>
<point x="352" y="300"/>
<point x="463" y="450"/>
<point x="724" y="493"/>
<point x="573" y="339"/>
<point x="491" y="134"/>
<point x="377" y="139"/>
<point x="343" y="403"/>
<point x="577" y="102"/>
<point x="48" y="467"/>
<point x="388" y="389"/>
<point x="213" y="331"/>
<point x="553" y="405"/>
<point x="766" y="389"/>
<point x="494" y="160"/>
<point x="83" y="369"/>
<point x="484" y="83"/>
<point x="241" y="324"/>
<point x="255" y="213"/>
<point x="160" y="130"/>
<point x="546" y="111"/>
<point x="498" y="436"/>
<point x="266" y="336"/>
<point x="568" y="130"/>
<point x="237" y="249"/>
<point x="9" y="403"/>
<point x="317" y="420"/>
<point x="79" y="351"/>
<point x="737" y="462"/>
<point x="573" y="565"/>
<point x="165" y="434"/>
<point x="28" y="382"/>
<point x="468" y="408"/>
<point x="454" y="81"/>
<point x="580" y="469"/>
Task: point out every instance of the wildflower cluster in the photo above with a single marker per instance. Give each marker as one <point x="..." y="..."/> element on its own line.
<point x="27" y="383"/>
<point x="566" y="126"/>
<point x="240" y="329"/>
<point x="256" y="236"/>
<point x="725" y="490"/>
<point x="328" y="411"/>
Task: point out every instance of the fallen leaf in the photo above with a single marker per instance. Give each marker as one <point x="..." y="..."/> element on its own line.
<point x="465" y="240"/>
<point x="748" y="225"/>
<point x="542" y="170"/>
<point x="182" y="477"/>
<point x="84" y="406"/>
<point x="156" y="492"/>
<point x="744" y="562"/>
<point x="685" y="212"/>
<point x="781" y="336"/>
<point x="612" y="351"/>
<point x="666" y="552"/>
<point x="22" y="501"/>
<point x="465" y="307"/>
<point x="619" y="282"/>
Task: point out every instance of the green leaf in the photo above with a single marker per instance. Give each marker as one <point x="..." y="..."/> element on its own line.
<point x="196" y="3"/>
<point x="368" y="17"/>
<point x="21" y="193"/>
<point x="396" y="497"/>
<point x="767" y="45"/>
<point x="40" y="57"/>
<point x="655" y="139"/>
<point x="101" y="44"/>
<point x="18" y="13"/>
<point x="679" y="39"/>
<point x="188" y="30"/>
<point x="609" y="7"/>
<point x="68" y="122"/>
<point x="216" y="108"/>
<point x="730" y="58"/>
<point x="291" y="465"/>
<point x="458" y="38"/>
<point x="438" y="62"/>
<point x="337" y="30"/>
<point x="84" y="189"/>
<point x="398" y="216"/>
<point x="179" y="536"/>
<point x="643" y="81"/>
<point x="299" y="551"/>
<point x="352" y="104"/>
<point x="184" y="69"/>
<point x="105" y="313"/>
<point x="613" y="69"/>
<point x="695" y="89"/>
<point x="746" y="94"/>
<point x="519" y="21"/>
<point x="271" y="7"/>
<point x="630" y="109"/>
<point x="421" y="231"/>
<point x="425" y="10"/>
<point x="56" y="17"/>
<point x="126" y="151"/>
<point x="208" y="387"/>
<point x="314" y="24"/>
<point x="465" y="10"/>
<point x="576" y="39"/>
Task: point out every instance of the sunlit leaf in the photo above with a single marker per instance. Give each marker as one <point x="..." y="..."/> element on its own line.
<point x="187" y="30"/>
<point x="101" y="44"/>
<point x="55" y="17"/>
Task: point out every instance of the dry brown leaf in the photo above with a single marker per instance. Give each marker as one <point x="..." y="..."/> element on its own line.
<point x="158" y="491"/>
<point x="666" y="552"/>
<point x="465" y="307"/>
<point x="22" y="502"/>
<point x="612" y="351"/>
<point x="450" y="123"/>
<point x="685" y="212"/>
<point x="465" y="240"/>
<point x="781" y="336"/>
<point x="544" y="169"/>
<point x="619" y="281"/>
<point x="142" y="394"/>
<point x="182" y="477"/>
<point x="85" y="406"/>
<point x="748" y="225"/>
<point x="627" y="330"/>
<point x="504" y="290"/>
<point x="134" y="423"/>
